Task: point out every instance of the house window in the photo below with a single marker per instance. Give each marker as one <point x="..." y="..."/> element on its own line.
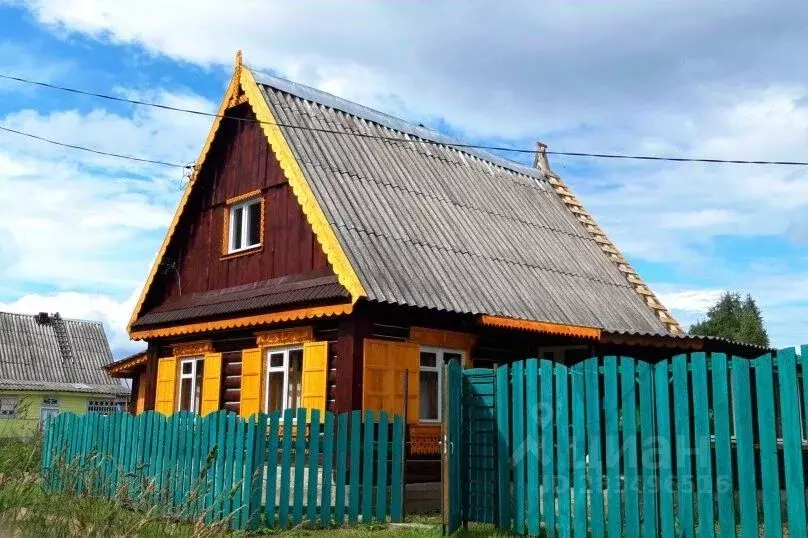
<point x="431" y="380"/>
<point x="190" y="391"/>
<point x="9" y="406"/>
<point x="105" y="406"/>
<point x="565" y="354"/>
<point x="244" y="225"/>
<point x="284" y="379"/>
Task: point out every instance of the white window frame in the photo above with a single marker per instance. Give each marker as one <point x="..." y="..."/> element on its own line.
<point x="15" y="412"/>
<point x="243" y="225"/>
<point x="558" y="352"/>
<point x="439" y="367"/>
<point x="286" y="350"/>
<point x="195" y="406"/>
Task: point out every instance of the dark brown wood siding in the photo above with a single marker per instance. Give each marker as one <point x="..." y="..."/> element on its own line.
<point x="240" y="161"/>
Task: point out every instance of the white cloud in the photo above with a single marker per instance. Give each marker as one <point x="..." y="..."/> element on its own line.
<point x="78" y="231"/>
<point x="74" y="220"/>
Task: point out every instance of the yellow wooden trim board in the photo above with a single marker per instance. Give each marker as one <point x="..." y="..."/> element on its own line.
<point x="284" y="337"/>
<point x="247" y="321"/>
<point x="540" y="326"/>
<point x="301" y="188"/>
<point x="244" y="80"/>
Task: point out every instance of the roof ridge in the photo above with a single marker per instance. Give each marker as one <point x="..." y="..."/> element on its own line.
<point x="606" y="244"/>
<point x="73" y="320"/>
<point x="389" y="121"/>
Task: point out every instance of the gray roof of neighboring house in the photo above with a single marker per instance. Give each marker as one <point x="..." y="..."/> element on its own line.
<point x="32" y="359"/>
<point x="461" y="230"/>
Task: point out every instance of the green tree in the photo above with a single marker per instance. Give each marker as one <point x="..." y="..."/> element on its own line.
<point x="734" y="318"/>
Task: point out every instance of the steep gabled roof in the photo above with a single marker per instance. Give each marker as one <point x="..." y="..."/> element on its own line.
<point x="406" y="218"/>
<point x="33" y="358"/>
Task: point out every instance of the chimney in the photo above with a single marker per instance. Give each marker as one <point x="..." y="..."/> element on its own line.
<point x="43" y="318"/>
<point x="541" y="162"/>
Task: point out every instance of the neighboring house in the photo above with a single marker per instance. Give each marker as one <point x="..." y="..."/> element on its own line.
<point x="310" y="268"/>
<point x="50" y="365"/>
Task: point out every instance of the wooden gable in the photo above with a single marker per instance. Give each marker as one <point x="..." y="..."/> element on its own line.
<point x="239" y="162"/>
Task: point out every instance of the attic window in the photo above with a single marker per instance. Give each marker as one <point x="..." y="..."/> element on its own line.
<point x="244" y="225"/>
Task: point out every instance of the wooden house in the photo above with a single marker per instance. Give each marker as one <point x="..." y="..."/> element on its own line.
<point x="50" y="365"/>
<point x="330" y="256"/>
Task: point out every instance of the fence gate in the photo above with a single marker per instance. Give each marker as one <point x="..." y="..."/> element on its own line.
<point x="470" y="445"/>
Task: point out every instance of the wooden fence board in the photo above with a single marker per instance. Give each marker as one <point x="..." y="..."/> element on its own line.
<point x="561" y="373"/>
<point x="300" y="466"/>
<point x="681" y="420"/>
<point x="612" y="422"/>
<point x="381" y="468"/>
<point x="518" y="445"/>
<point x="397" y="472"/>
<point x="503" y="447"/>
<point x="367" y="468"/>
<point x="271" y="487"/>
<point x="723" y="446"/>
<point x="355" y="452"/>
<point x="547" y="446"/>
<point x="286" y="468"/>
<point x="580" y="523"/>
<point x="328" y="461"/>
<point x="648" y="462"/>
<point x="531" y="450"/>
<point x="792" y="442"/>
<point x="664" y="448"/>
<point x="342" y="452"/>
<point x="767" y="434"/>
<point x="742" y="410"/>
<point x="702" y="444"/>
<point x="314" y="466"/>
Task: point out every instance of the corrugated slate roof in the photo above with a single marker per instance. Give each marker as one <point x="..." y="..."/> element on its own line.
<point x="295" y="289"/>
<point x="461" y="230"/>
<point x="30" y="356"/>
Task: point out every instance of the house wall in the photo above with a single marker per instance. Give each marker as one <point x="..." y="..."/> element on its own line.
<point x="27" y="423"/>
<point x="240" y="161"/>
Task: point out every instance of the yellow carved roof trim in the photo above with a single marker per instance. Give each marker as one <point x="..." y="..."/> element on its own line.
<point x="246" y="321"/>
<point x="229" y="96"/>
<point x="302" y="190"/>
<point x="540" y="326"/>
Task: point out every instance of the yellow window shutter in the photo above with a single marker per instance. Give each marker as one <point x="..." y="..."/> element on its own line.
<point x="385" y="363"/>
<point x="166" y="385"/>
<point x="252" y="367"/>
<point x="315" y="375"/>
<point x="211" y="384"/>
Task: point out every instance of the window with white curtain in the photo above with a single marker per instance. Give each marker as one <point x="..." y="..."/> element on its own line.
<point x="284" y="378"/>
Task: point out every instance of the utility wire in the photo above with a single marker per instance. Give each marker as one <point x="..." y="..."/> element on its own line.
<point x="96" y="151"/>
<point x="390" y="138"/>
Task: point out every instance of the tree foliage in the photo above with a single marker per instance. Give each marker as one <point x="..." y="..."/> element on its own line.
<point x="734" y="318"/>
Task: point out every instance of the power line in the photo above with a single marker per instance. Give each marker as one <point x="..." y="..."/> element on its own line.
<point x="91" y="150"/>
<point x="396" y="139"/>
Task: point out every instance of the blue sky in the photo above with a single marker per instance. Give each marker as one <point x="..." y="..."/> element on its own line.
<point x="79" y="232"/>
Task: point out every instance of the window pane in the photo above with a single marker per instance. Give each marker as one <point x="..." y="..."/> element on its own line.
<point x="254" y="224"/>
<point x="429" y="395"/>
<point x="185" y="394"/>
<point x="275" y="391"/>
<point x="429" y="359"/>
<point x="187" y="367"/>
<point x="449" y="356"/>
<point x="276" y="360"/>
<point x="236" y="224"/>
<point x="200" y="370"/>
<point x="295" y="377"/>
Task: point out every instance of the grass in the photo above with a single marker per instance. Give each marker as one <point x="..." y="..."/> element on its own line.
<point x="28" y="510"/>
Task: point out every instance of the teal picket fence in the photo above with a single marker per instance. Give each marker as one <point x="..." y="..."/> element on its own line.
<point x="700" y="445"/>
<point x="271" y="470"/>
